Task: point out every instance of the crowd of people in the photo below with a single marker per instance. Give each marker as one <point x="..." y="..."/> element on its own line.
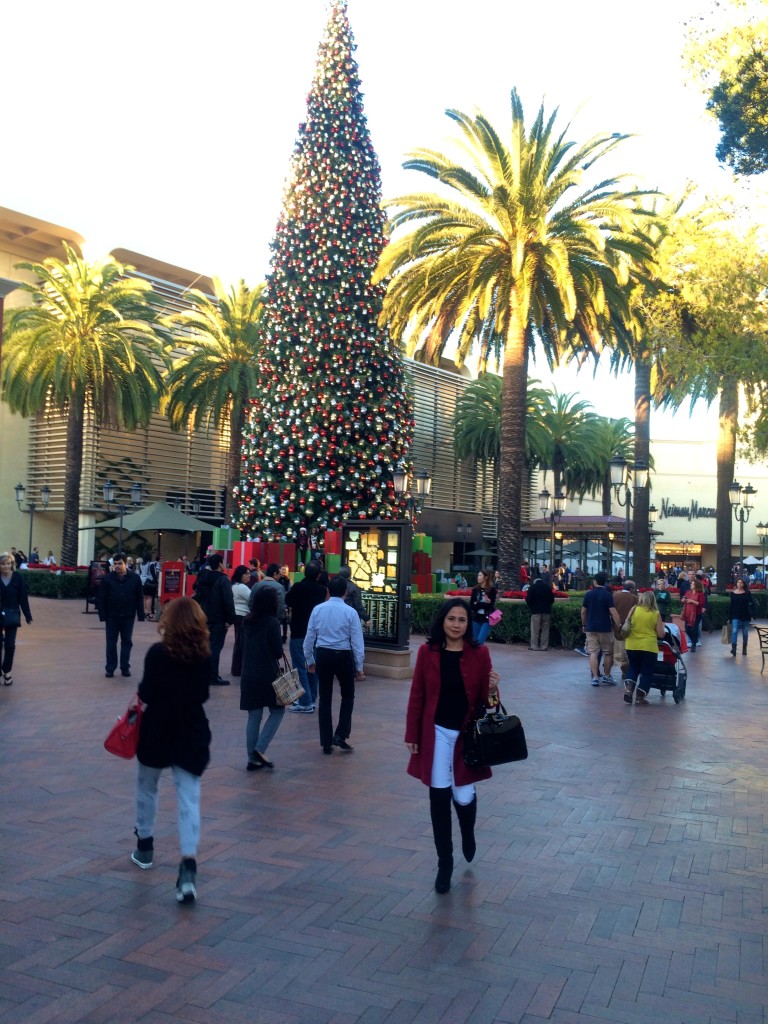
<point x="322" y="621"/>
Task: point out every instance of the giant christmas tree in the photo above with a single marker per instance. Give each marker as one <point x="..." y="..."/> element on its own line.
<point x="332" y="419"/>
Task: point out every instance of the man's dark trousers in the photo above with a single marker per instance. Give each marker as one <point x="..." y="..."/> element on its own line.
<point x="218" y="634"/>
<point x="119" y="626"/>
<point x="330" y="663"/>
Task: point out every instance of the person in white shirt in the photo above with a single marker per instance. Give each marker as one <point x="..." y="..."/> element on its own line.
<point x="241" y="593"/>
<point x="333" y="646"/>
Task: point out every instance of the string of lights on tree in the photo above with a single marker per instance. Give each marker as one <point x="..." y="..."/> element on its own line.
<point x="333" y="418"/>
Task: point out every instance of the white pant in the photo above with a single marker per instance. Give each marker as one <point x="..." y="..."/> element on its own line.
<point x="442" y="766"/>
<point x="187" y="802"/>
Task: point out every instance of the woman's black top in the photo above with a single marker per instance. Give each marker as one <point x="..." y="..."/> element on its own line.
<point x="13" y="596"/>
<point x="174" y="727"/>
<point x="742" y="607"/>
<point x="452" y="702"/>
<point x="480" y="608"/>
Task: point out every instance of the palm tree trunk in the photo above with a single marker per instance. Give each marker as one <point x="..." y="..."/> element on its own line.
<point x="607" y="498"/>
<point x="641" y="540"/>
<point x="234" y="460"/>
<point x="512" y="454"/>
<point x="70" y="535"/>
<point x="728" y="421"/>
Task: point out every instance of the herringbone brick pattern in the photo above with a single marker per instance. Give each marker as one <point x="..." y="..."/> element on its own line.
<point x="620" y="873"/>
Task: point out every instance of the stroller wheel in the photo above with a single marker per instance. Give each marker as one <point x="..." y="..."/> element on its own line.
<point x="678" y="695"/>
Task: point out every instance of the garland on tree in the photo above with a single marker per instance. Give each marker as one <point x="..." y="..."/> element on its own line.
<point x="332" y="419"/>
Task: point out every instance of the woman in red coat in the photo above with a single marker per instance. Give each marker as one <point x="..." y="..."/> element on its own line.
<point x="452" y="678"/>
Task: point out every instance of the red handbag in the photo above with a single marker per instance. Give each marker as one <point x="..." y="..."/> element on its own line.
<point x="123" y="738"/>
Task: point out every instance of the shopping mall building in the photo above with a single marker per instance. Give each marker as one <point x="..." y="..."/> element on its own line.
<point x="188" y="469"/>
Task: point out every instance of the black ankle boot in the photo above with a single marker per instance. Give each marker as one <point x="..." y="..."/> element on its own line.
<point x="440" y="812"/>
<point x="733" y="650"/>
<point x="143" y="855"/>
<point x="744" y="649"/>
<point x="467" y="814"/>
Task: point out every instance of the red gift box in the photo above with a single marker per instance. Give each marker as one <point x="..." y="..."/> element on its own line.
<point x="332" y="542"/>
<point x="421" y="563"/>
<point x="244" y="550"/>
<point x="272" y="553"/>
<point x="424" y="582"/>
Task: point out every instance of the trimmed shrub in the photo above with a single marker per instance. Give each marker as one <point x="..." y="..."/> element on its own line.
<point x="51" y="584"/>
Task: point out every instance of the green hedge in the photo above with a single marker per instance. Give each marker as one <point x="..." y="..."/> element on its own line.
<point x="51" y="584"/>
<point x="515" y="623"/>
<point x="565" y="626"/>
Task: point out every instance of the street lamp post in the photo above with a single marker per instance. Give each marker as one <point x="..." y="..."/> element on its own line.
<point x="109" y="490"/>
<point x="762" y="536"/>
<point x="553" y="518"/>
<point x="742" y="505"/>
<point x="611" y="539"/>
<point x="620" y="470"/>
<point x="422" y="485"/>
<point x="45" y="497"/>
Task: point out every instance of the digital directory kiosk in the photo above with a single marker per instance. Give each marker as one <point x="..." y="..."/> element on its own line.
<point x="378" y="552"/>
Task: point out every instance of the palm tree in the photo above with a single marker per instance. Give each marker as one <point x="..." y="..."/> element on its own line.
<point x="611" y="437"/>
<point x="213" y="380"/>
<point x="569" y="427"/>
<point x="477" y="421"/>
<point x="90" y="340"/>
<point x="477" y="425"/>
<point x="519" y="250"/>
<point x="715" y="341"/>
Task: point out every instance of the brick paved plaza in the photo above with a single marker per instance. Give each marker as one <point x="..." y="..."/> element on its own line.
<point x="620" y="874"/>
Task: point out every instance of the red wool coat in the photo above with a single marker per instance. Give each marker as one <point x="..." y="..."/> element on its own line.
<point x="422" y="705"/>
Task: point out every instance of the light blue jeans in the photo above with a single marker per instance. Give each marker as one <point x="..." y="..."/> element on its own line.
<point x="187" y="802"/>
<point x="257" y="738"/>
<point x="739" y="624"/>
<point x="480" y="631"/>
<point x="307" y="679"/>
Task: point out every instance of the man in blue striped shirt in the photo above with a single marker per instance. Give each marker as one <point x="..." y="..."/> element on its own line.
<point x="334" y="646"/>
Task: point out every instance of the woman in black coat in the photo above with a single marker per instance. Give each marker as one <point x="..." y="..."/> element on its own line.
<point x="262" y="650"/>
<point x="741" y="612"/>
<point x="175" y="733"/>
<point x="13" y="604"/>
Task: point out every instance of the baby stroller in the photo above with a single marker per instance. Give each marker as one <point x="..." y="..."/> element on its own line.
<point x="670" y="673"/>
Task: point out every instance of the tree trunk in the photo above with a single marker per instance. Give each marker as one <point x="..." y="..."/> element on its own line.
<point x="607" y="498"/>
<point x="512" y="457"/>
<point x="641" y="540"/>
<point x="234" y="460"/>
<point x="70" y="535"/>
<point x="728" y="421"/>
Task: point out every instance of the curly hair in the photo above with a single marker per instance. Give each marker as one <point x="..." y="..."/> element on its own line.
<point x="183" y="630"/>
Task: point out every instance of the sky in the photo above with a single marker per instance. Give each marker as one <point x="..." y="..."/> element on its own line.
<point x="166" y="127"/>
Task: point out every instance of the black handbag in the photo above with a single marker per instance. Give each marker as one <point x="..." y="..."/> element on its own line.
<point x="494" y="738"/>
<point x="10" y="617"/>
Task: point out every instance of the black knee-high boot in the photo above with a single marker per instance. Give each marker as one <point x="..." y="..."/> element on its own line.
<point x="467" y="813"/>
<point x="440" y="812"/>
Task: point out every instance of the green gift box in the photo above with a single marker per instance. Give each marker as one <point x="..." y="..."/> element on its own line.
<point x="421" y="542"/>
<point x="333" y="563"/>
<point x="225" y="537"/>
